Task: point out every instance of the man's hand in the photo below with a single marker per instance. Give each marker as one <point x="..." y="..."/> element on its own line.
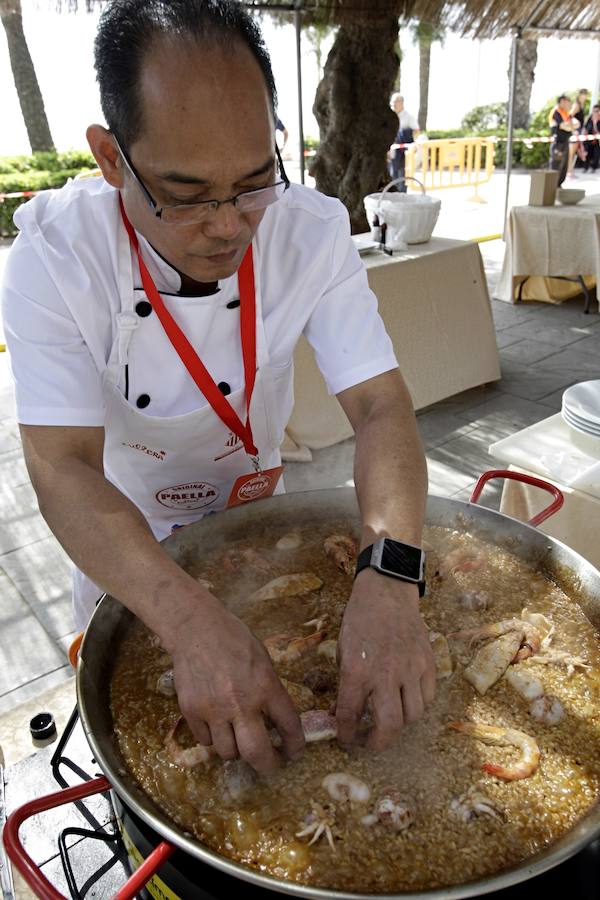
<point x="226" y="687"/>
<point x="385" y="658"/>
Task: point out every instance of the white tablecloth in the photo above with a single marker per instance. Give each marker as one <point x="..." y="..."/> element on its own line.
<point x="434" y="301"/>
<point x="551" y="240"/>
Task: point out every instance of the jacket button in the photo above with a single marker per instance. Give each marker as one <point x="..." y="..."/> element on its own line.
<point x="143" y="308"/>
<point x="223" y="387"/>
<point x="233" y="304"/>
<point x="142" y="401"/>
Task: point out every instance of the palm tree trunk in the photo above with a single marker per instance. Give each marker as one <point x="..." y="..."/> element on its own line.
<point x="26" y="83"/>
<point x="526" y="62"/>
<point x="356" y="123"/>
<point x="424" y="65"/>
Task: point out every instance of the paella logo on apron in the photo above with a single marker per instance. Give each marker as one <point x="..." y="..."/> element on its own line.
<point x="254" y="488"/>
<point x="194" y="495"/>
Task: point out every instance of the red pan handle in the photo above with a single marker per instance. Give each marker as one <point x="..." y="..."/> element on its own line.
<point x="526" y="479"/>
<point x="32" y="874"/>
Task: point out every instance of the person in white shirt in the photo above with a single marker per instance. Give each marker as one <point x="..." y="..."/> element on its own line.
<point x="408" y="132"/>
<point x="194" y="244"/>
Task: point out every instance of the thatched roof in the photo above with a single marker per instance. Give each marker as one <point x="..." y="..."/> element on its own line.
<point x="476" y="18"/>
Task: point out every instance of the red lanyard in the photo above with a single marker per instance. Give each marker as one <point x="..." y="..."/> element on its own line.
<point x="190" y="358"/>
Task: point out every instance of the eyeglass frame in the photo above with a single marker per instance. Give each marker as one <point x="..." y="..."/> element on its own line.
<point x="158" y="210"/>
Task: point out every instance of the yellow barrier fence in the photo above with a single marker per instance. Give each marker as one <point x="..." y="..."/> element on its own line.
<point x="455" y="162"/>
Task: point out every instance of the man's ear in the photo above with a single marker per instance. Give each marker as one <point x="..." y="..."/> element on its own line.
<point x="106" y="154"/>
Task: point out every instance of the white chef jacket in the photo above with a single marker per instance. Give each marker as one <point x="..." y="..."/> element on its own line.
<point x="60" y="300"/>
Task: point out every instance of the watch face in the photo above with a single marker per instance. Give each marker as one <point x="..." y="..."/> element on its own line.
<point x="402" y="559"/>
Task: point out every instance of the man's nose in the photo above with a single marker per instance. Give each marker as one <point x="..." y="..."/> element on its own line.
<point x="225" y="222"/>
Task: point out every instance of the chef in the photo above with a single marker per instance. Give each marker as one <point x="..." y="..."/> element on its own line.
<point x="151" y="317"/>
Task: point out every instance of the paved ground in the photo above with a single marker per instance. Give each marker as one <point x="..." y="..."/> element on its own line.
<point x="544" y="349"/>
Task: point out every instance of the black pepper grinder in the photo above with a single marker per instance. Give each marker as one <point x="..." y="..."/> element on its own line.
<point x="376" y="230"/>
<point x="383" y="230"/>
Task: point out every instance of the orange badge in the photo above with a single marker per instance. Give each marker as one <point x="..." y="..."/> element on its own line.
<point x="254" y="486"/>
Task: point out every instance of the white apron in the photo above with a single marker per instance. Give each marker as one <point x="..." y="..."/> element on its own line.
<point x="178" y="469"/>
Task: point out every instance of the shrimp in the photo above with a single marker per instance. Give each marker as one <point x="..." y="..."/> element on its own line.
<point x="473" y="804"/>
<point x="287" y="648"/>
<point x="458" y="560"/>
<point x="186" y="757"/>
<point x="295" y="585"/>
<point x="342" y="550"/>
<point x="561" y="658"/>
<point x="532" y="633"/>
<point x="343" y="786"/>
<point x="504" y="737"/>
<point x="394" y="810"/>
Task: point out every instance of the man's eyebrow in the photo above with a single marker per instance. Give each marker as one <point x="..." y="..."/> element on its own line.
<point x="183" y="178"/>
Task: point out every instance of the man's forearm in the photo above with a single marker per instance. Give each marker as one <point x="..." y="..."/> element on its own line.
<point x="107" y="537"/>
<point x="390" y="473"/>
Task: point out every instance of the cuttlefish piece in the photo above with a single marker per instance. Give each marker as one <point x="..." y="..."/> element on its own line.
<point x="290" y="541"/>
<point x="491" y="662"/>
<point x="295" y="585"/>
<point x="441" y="652"/>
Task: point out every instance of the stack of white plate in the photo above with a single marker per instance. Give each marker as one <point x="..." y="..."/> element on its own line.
<point x="581" y="407"/>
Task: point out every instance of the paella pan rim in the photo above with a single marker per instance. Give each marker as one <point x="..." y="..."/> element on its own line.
<point x="110" y="617"/>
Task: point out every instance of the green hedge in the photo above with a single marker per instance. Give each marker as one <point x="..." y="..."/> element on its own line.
<point x="37" y="172"/>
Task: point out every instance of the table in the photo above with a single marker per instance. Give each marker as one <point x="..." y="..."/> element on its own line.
<point x="434" y="301"/>
<point x="550" y="241"/>
<point x="552" y="450"/>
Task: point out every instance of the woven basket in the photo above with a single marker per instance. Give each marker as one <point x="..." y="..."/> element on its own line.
<point x="410" y="219"/>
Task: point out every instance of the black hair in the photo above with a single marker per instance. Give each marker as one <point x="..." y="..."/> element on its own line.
<point x="562" y="97"/>
<point x="126" y="31"/>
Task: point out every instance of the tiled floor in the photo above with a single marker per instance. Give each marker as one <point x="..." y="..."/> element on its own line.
<point x="544" y="349"/>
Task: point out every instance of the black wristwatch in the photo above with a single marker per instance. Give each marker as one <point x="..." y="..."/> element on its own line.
<point x="402" y="561"/>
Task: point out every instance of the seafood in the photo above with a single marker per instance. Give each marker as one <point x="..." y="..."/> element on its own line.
<point x="207" y="585"/>
<point x="287" y="648"/>
<point x="458" y="560"/>
<point x="342" y="786"/>
<point x="237" y="778"/>
<point x="328" y="649"/>
<point x="473" y="804"/>
<point x="317" y="725"/>
<point x="240" y="557"/>
<point x="441" y="652"/>
<point x="530" y="635"/>
<point x="504" y="737"/>
<point x="547" y="709"/>
<point x="302" y="697"/>
<point x="295" y="585"/>
<point x="394" y="810"/>
<point x="342" y="550"/>
<point x="290" y="541"/>
<point x="475" y="600"/>
<point x="186" y="757"/>
<point x="165" y="684"/>
<point x="526" y="685"/>
<point x="320" y="681"/>
<point x="318" y="623"/>
<point x="561" y="658"/>
<point x="318" y="822"/>
<point x="491" y="661"/>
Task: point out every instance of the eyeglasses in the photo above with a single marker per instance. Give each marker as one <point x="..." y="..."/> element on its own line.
<point x="193" y="213"/>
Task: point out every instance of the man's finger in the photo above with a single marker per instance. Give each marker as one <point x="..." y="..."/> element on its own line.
<point x="351" y="699"/>
<point x="412" y="702"/>
<point x="254" y="744"/>
<point x="199" y="728"/>
<point x="286" y="721"/>
<point x="224" y="741"/>
<point x="428" y="684"/>
<point x="388" y="718"/>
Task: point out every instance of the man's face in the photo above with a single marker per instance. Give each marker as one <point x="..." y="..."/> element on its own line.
<point x="565" y="103"/>
<point x="398" y="105"/>
<point x="207" y="134"/>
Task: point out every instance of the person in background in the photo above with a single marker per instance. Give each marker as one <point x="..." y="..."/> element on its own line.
<point x="279" y="126"/>
<point x="408" y="131"/>
<point x="592" y="127"/>
<point x="561" y="128"/>
<point x="577" y="112"/>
